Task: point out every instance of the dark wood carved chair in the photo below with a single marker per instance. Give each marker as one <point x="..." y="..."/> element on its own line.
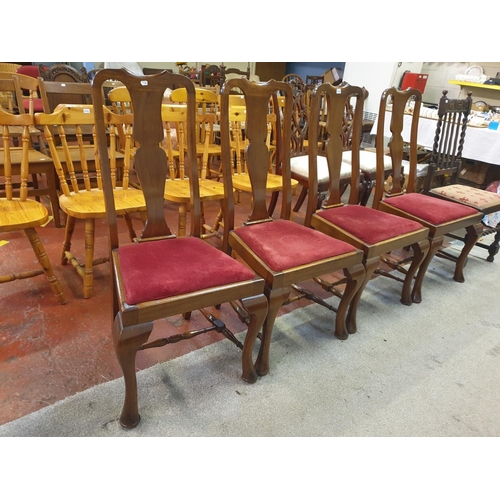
<point x="234" y="71"/>
<point x="63" y="73"/>
<point x="296" y="81"/>
<point x="440" y="216"/>
<point x="445" y="164"/>
<point x="211" y="75"/>
<point x="372" y="231"/>
<point x="313" y="80"/>
<point x="283" y="252"/>
<point x="161" y="275"/>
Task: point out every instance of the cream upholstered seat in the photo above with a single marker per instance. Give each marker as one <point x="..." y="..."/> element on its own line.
<point x="300" y="166"/>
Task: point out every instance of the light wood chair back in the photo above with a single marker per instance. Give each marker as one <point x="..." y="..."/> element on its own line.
<point x="9" y="67"/>
<point x="239" y="142"/>
<point x="19" y="213"/>
<point x="80" y="151"/>
<point x="119" y="99"/>
<point x="208" y="125"/>
<point x="177" y="186"/>
<point x="174" y="119"/>
<point x="206" y="99"/>
<point x="77" y="163"/>
<point x="10" y="94"/>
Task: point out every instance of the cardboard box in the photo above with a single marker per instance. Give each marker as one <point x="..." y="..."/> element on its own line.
<point x="474" y="172"/>
<point x="333" y="76"/>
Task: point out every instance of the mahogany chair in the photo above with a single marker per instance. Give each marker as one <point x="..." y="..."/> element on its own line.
<point x="440" y="216"/>
<point x="375" y="233"/>
<point x="177" y="189"/>
<point x="300" y="143"/>
<point x="82" y="196"/>
<point x="18" y="213"/>
<point x="445" y="164"/>
<point x="283" y="252"/>
<point x="160" y="275"/>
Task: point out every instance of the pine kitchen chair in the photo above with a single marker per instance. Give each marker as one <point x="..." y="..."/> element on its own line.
<point x="19" y="213"/>
<point x="82" y="197"/>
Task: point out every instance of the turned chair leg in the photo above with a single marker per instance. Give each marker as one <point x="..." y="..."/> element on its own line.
<point x="68" y="234"/>
<point x="44" y="261"/>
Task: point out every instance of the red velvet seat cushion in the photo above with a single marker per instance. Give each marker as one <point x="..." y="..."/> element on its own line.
<point x="160" y="269"/>
<point x="37" y="105"/>
<point x="431" y="209"/>
<point x="283" y="244"/>
<point x="367" y="224"/>
<point x="30" y="70"/>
